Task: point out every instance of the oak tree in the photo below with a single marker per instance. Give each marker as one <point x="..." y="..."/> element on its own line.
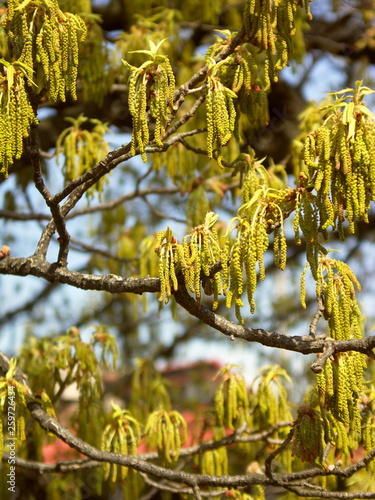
<point x="157" y="154"/>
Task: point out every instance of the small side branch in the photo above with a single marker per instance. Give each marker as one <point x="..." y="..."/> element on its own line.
<point x="63" y="466"/>
<point x="197" y="492"/>
<point x="316" y="318"/>
<point x="271" y="457"/>
<point x="329" y="350"/>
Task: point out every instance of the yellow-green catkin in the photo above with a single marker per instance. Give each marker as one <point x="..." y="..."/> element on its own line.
<point x="122" y="435"/>
<point x="82" y="148"/>
<point x="368" y="425"/>
<point x="270" y="401"/>
<point x="271" y="26"/>
<point x="213" y="462"/>
<point x="95" y="71"/>
<point x="261" y="212"/>
<point x="47" y="40"/>
<point x="43" y="44"/>
<point x="220" y="113"/>
<point x="194" y="258"/>
<point x="166" y="249"/>
<point x="339" y="385"/>
<point x="336" y="284"/>
<point x="338" y="156"/>
<point x="151" y="88"/>
<point x="16" y="113"/>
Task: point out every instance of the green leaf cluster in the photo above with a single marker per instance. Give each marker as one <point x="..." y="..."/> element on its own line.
<point x="231" y="400"/>
<point x="167" y="431"/>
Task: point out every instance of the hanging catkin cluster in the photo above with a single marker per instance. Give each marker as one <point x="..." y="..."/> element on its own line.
<point x="43" y="45"/>
<point x="368" y="423"/>
<point x="269" y="405"/>
<point x="46" y="40"/>
<point x="270" y="26"/>
<point x="13" y="399"/>
<point x="213" y="462"/>
<point x="151" y="88"/>
<point x="340" y="158"/>
<point x="220" y="112"/>
<point x="148" y="390"/>
<point x="95" y="67"/>
<point x="335" y="286"/>
<point x="166" y="249"/>
<point x="177" y="163"/>
<point x="307" y="220"/>
<point x="256" y="217"/>
<point x="339" y="386"/>
<point x="261" y="213"/>
<point x="199" y="251"/>
<point x="341" y="380"/>
<point x="121" y="435"/>
<point x="82" y="148"/>
<point x="241" y="73"/>
<point x="16" y="112"/>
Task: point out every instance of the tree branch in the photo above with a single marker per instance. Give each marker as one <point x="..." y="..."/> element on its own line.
<point x="329" y="350"/>
<point x="59" y="223"/>
<point x="109" y="205"/>
<point x="34" y="266"/>
<point x="63" y="466"/>
<point x="49" y="424"/>
<point x="193" y="481"/>
<point x="10" y="215"/>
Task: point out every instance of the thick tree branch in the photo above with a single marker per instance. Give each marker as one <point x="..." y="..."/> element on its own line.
<point x="49" y="424"/>
<point x="34" y="266"/>
<point x="58" y="219"/>
<point x="264" y="337"/>
<point x="320" y="493"/>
